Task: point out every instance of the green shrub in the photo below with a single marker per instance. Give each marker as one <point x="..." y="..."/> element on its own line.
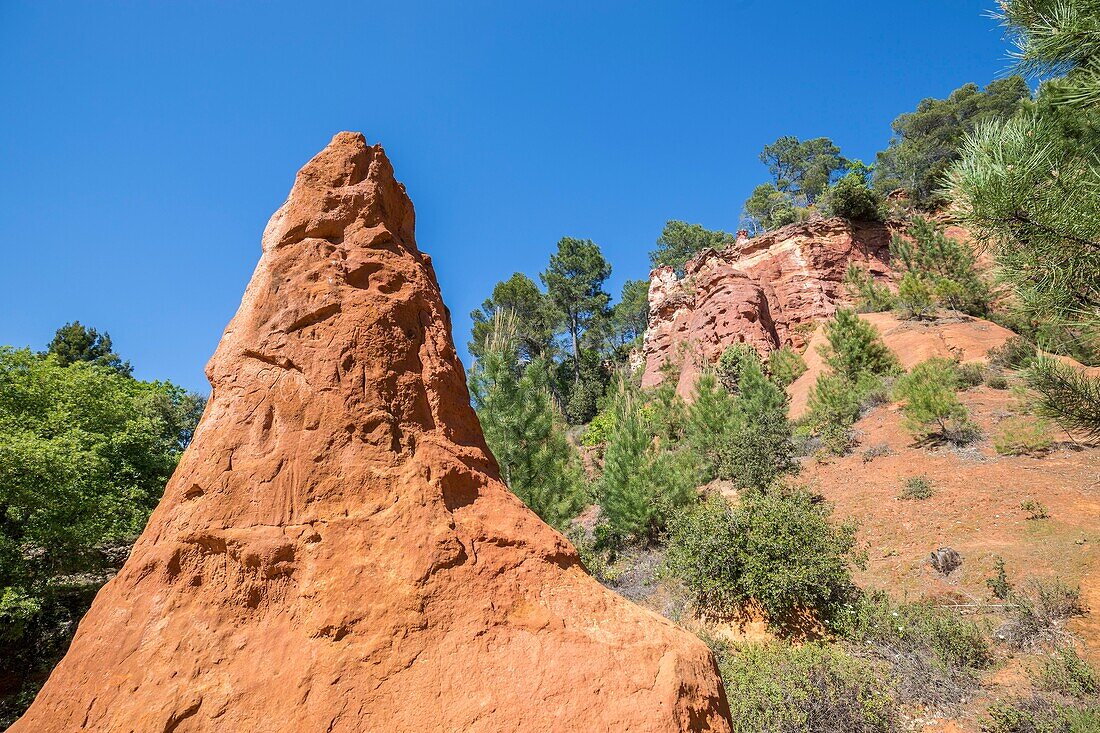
<point x="1035" y="510"/>
<point x="935" y="654"/>
<point x="852" y="199"/>
<point x="1016" y="353"/>
<point x="868" y="296"/>
<point x="600" y="429"/>
<point x="745" y="438"/>
<point x="732" y="363"/>
<point x="761" y="448"/>
<point x="781" y="549"/>
<point x="969" y="374"/>
<point x="785" y="365"/>
<point x="1039" y="715"/>
<point x="855" y="348"/>
<point x="916" y="487"/>
<point x="1067" y="673"/>
<point x="783" y="688"/>
<point x="914" y="301"/>
<point x="997" y="381"/>
<point x="1020" y="435"/>
<point x="932" y="410"/>
<point x="1038" y="612"/>
<point x="704" y="550"/>
<point x="999" y="584"/>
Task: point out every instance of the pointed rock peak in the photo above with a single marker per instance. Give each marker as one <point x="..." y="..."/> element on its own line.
<point x="336" y="551"/>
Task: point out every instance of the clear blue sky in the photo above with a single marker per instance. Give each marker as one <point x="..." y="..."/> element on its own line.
<point x="145" y="145"/>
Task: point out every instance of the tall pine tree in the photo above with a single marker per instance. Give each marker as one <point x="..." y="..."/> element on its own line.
<point x="523" y="428"/>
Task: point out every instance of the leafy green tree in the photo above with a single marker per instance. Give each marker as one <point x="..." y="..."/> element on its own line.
<point x="85" y="453"/>
<point x="803" y="169"/>
<point x="631" y="313"/>
<point x="534" y="316"/>
<point x="927" y="140"/>
<point x="680" y="241"/>
<point x="855" y="348"/>
<point x="781" y="549"/>
<point x="945" y="266"/>
<point x="75" y="342"/>
<point x="932" y="410"/>
<point x="522" y="426"/>
<point x="574" y="282"/>
<point x="1027" y="188"/>
<point x="768" y="208"/>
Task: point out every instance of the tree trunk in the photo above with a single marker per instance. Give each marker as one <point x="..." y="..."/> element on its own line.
<point x="576" y="351"/>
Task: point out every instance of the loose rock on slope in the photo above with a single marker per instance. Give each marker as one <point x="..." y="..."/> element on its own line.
<point x="335" y="551"/>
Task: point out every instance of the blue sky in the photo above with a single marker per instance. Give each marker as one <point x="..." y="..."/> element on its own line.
<point x="145" y="145"/>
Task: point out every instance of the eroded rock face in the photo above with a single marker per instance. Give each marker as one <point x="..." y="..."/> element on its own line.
<point x="335" y="551"/>
<point x="758" y="291"/>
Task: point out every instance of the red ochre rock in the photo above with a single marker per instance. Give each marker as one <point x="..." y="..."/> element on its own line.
<point x="767" y="291"/>
<point x="336" y="552"/>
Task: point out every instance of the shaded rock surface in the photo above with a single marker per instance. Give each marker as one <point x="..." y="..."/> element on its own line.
<point x="335" y="551"/>
<point x="764" y="291"/>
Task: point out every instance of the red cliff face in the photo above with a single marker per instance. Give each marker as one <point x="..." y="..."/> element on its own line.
<point x="336" y="551"/>
<point x="758" y="291"/>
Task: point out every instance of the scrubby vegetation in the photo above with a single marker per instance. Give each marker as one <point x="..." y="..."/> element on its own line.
<point x="779" y="687"/>
<point x="933" y="412"/>
<point x="779" y="549"/>
<point x="858" y="361"/>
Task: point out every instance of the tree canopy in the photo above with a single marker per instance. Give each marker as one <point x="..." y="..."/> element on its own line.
<point x="927" y="140"/>
<point x="75" y="342"/>
<point x="534" y="316"/>
<point x="680" y="241"/>
<point x="803" y="168"/>
<point x="574" y="283"/>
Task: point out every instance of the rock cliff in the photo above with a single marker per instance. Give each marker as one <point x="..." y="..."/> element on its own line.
<point x="764" y="291"/>
<point x="335" y="551"/>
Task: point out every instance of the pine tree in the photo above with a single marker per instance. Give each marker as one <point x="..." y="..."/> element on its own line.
<point x="643" y="483"/>
<point x="914" y="300"/>
<point x="1029" y="189"/>
<point x="869" y="296"/>
<point x="932" y="410"/>
<point x="943" y="266"/>
<point x="75" y="342"/>
<point x="523" y="428"/>
<point x="712" y="423"/>
<point x="855" y="348"/>
<point x="760" y="449"/>
<point x="785" y="366"/>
